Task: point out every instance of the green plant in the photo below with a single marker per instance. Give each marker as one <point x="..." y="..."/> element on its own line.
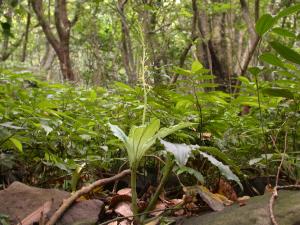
<point x="138" y="142"/>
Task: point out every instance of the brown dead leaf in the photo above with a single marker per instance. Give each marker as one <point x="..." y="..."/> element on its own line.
<point x="123" y="222"/>
<point x="159" y="208"/>
<point x="243" y="200"/>
<point x="225" y="200"/>
<point x="226" y="189"/>
<point x="37" y="215"/>
<point x="208" y="197"/>
<point x="124" y="191"/>
<point x="119" y="198"/>
<point x="175" y="201"/>
<point x="124" y="209"/>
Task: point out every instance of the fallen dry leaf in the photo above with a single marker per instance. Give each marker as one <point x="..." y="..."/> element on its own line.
<point x="124" y="191"/>
<point x="208" y="197"/>
<point x="243" y="200"/>
<point x="160" y="207"/>
<point x="35" y="216"/>
<point x="124" y="209"/>
<point x="175" y="201"/>
<point x="225" y="200"/>
<point x="123" y="222"/>
<point x="119" y="198"/>
<point x="226" y="189"/>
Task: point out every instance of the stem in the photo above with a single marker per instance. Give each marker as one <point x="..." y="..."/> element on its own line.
<point x="144" y="87"/>
<point x="169" y="166"/>
<point x="262" y="127"/>
<point x="133" y="192"/>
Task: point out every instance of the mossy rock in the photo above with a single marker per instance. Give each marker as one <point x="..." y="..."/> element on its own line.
<point x="255" y="212"/>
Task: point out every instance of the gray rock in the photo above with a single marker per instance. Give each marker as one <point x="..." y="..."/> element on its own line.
<point x="20" y="200"/>
<point x="255" y="212"/>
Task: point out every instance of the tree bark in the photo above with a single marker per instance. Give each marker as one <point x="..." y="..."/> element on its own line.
<point x="63" y="27"/>
<point x="24" y="50"/>
<point x="189" y="44"/>
<point x="127" y="52"/>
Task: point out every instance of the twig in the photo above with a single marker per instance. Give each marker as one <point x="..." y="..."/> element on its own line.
<point x="271" y="203"/>
<point x="84" y="190"/>
<point x="282" y="159"/>
<point x="275" y="192"/>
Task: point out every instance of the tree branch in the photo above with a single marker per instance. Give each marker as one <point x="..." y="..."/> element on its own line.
<point x="84" y="190"/>
<point x="37" y="6"/>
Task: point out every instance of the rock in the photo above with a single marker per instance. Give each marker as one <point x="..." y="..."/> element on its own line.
<point x="255" y="212"/>
<point x="20" y="200"/>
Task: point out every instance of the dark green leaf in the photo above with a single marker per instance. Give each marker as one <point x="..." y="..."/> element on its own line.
<point x="271" y="59"/>
<point x="278" y="92"/>
<point x="264" y="24"/>
<point x="286" y="52"/>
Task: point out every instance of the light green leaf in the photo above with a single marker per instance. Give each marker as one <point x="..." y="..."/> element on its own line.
<point x="288" y="11"/>
<point x="11" y="126"/>
<point x="283" y="32"/>
<point x="182" y="152"/>
<point x="196" y="66"/>
<point x="17" y="144"/>
<point x="118" y="132"/>
<point x="76" y="176"/>
<point x="224" y="169"/>
<point x="286" y="52"/>
<point x="182" y="71"/>
<point x="169" y="130"/>
<point x="46" y="128"/>
<point x="85" y="137"/>
<point x="271" y="59"/>
<point x="264" y="24"/>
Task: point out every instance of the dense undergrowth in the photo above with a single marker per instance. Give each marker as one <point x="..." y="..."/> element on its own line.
<point x="50" y="132"/>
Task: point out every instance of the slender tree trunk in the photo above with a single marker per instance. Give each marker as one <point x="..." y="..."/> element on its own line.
<point x="127" y="52"/>
<point x="63" y="28"/>
<point x="24" y="50"/>
<point x="189" y="44"/>
<point x="48" y="58"/>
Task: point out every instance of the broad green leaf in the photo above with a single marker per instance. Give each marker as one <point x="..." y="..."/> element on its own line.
<point x="271" y="59"/>
<point x="244" y="80"/>
<point x="182" y="71"/>
<point x="182" y="152"/>
<point x="254" y="70"/>
<point x="191" y="171"/>
<point x="208" y="85"/>
<point x="220" y="155"/>
<point x="169" y="130"/>
<point x="196" y="66"/>
<point x="118" y="132"/>
<point x="17" y="144"/>
<point x="288" y="11"/>
<point x="264" y="24"/>
<point x="278" y="92"/>
<point x="224" y="169"/>
<point x="283" y="32"/>
<point x="206" y="77"/>
<point x="286" y="52"/>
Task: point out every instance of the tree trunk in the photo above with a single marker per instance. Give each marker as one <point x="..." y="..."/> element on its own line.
<point x="63" y="28"/>
<point x="24" y="50"/>
<point x="127" y="52"/>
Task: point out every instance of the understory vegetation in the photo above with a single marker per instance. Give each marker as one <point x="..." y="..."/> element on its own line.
<point x="197" y="127"/>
